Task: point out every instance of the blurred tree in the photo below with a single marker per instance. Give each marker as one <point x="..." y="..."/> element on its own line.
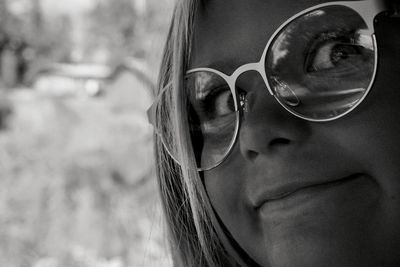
<point x="3" y="16"/>
<point x="108" y="33"/>
<point x="50" y="36"/>
<point x="28" y="40"/>
<point x="111" y="28"/>
<point x="126" y="28"/>
<point x="153" y="27"/>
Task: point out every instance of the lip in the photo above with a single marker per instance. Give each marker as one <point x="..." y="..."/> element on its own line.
<point x="284" y="192"/>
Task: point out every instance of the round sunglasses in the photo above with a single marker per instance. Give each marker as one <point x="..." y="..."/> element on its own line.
<point x="319" y="65"/>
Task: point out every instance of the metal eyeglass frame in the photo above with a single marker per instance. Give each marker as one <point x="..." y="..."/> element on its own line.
<point x="367" y="9"/>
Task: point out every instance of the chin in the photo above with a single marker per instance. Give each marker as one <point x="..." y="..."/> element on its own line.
<point x="318" y="254"/>
<point x="318" y="243"/>
<point x="335" y="228"/>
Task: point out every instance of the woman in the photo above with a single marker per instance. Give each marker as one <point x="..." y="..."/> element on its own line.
<point x="277" y="133"/>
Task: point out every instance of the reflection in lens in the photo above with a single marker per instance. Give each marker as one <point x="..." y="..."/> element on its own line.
<point x="212" y="115"/>
<point x="321" y="64"/>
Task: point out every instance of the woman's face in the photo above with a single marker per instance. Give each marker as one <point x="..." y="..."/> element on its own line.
<point x="299" y="193"/>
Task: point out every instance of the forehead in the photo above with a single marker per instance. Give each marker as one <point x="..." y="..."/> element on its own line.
<point x="235" y="32"/>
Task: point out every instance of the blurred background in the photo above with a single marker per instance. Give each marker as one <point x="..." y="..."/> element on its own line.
<point x="77" y="182"/>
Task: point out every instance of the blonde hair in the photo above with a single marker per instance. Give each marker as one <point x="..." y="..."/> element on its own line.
<point x="191" y="229"/>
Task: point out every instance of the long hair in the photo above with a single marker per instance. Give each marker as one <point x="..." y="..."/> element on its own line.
<point x="191" y="230"/>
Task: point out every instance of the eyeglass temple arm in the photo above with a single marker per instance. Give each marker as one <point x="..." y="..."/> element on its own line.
<point x="151" y="111"/>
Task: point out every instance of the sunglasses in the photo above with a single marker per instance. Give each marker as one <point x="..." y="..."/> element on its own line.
<point x="319" y="65"/>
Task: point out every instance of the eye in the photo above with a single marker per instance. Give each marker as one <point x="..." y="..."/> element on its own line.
<point x="337" y="52"/>
<point x="220" y="103"/>
<point x="215" y="114"/>
<point x="214" y="104"/>
<point x="333" y="54"/>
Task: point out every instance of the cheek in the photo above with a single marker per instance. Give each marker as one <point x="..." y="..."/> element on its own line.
<point x="371" y="136"/>
<point x="225" y="187"/>
<point x="371" y="133"/>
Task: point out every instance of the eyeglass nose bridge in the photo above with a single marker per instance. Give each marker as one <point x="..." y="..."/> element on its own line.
<point x="258" y="66"/>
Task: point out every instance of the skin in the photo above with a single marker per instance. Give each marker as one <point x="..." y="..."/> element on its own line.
<point x="355" y="222"/>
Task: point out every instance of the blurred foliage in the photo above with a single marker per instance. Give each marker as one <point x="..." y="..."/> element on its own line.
<point x="112" y="25"/>
<point x="106" y="33"/>
<point x="128" y="27"/>
<point x="77" y="187"/>
<point x="28" y="25"/>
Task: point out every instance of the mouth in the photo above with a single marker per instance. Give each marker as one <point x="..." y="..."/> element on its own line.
<point x="285" y="195"/>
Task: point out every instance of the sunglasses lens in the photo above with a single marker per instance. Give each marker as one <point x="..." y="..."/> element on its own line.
<point x="321" y="65"/>
<point x="213" y="117"/>
<point x="167" y="127"/>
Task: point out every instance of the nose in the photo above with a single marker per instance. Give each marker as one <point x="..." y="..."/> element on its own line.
<point x="267" y="128"/>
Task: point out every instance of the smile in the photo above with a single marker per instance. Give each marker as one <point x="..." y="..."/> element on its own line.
<point x="297" y="198"/>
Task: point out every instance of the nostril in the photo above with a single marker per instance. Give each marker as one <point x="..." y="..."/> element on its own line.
<point x="279" y="141"/>
<point x="251" y="154"/>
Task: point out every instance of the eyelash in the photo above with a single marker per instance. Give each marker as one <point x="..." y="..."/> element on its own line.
<point x="322" y="39"/>
<point x="210" y="99"/>
<point x="203" y="105"/>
